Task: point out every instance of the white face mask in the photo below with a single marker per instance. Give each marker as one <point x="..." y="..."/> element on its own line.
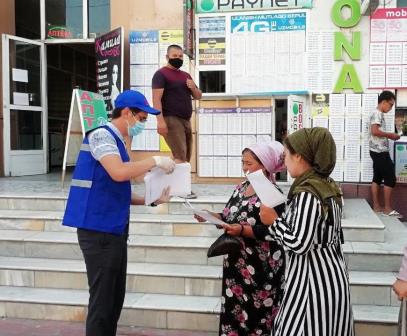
<point x="136" y="129"/>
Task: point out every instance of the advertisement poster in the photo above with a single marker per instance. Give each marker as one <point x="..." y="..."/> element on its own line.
<point x="400" y="161"/>
<point x="166" y="38"/>
<point x="296" y="113"/>
<point x="320" y="105"/>
<point x="212" y="32"/>
<point x="109" y="66"/>
<point x="388" y="48"/>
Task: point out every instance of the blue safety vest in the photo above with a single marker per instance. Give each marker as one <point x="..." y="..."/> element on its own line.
<point x="97" y="202"/>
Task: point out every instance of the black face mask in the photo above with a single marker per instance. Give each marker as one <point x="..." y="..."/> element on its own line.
<point x="176" y="62"/>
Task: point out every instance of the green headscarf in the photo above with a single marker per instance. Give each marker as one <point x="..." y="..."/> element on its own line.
<point x="317" y="146"/>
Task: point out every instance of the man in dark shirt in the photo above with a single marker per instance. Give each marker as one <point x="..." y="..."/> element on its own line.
<point x="172" y="91"/>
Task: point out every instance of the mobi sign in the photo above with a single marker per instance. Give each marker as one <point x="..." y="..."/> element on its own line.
<point x="215" y="6"/>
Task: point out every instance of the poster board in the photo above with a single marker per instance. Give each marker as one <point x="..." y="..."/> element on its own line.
<point x="86" y="113"/>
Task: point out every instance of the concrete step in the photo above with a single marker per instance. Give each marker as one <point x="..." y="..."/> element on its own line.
<point x="198" y="280"/>
<point x="63" y="245"/>
<point x="361" y="256"/>
<point x="371" y="288"/>
<point x="58" y="203"/>
<point x="159" y="310"/>
<point x="143" y="310"/>
<point x="367" y="227"/>
<point x="376" y="320"/>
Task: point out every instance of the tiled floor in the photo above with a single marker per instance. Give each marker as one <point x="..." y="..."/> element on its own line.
<point x="19" y="327"/>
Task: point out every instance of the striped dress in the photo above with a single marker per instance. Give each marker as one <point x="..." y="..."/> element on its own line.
<point x="316" y="300"/>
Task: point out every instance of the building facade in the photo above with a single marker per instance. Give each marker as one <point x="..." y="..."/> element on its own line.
<point x="266" y="69"/>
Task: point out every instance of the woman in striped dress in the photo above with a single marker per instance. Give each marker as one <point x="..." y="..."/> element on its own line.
<point x="316" y="298"/>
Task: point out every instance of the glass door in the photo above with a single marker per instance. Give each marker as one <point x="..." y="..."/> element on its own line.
<point x="24" y="106"/>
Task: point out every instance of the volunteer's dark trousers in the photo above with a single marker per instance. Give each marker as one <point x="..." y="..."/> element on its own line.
<point x="106" y="265"/>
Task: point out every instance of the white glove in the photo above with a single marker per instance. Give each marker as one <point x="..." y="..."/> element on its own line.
<point x="165" y="163"/>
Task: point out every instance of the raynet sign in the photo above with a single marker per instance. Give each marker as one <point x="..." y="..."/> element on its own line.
<point x="215" y="6"/>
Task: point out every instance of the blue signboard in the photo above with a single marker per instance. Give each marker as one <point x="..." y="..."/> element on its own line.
<point x="145" y="36"/>
<point x="268" y="22"/>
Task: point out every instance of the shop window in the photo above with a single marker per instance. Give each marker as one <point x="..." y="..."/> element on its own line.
<point x="99" y="17"/>
<point x="27" y="15"/>
<point x="212" y="81"/>
<point x="64" y="19"/>
<point x="401" y="3"/>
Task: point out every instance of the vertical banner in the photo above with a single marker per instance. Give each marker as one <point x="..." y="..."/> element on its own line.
<point x="109" y="66"/>
<point x="189" y="31"/>
<point x="212" y="37"/>
<point x="296" y="113"/>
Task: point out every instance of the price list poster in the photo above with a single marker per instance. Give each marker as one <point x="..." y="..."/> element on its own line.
<point x="388" y="48"/>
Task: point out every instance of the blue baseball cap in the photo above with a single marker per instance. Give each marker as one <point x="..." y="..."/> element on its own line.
<point x="134" y="99"/>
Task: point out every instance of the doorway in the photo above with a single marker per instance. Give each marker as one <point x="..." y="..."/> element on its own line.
<point x="69" y="66"/>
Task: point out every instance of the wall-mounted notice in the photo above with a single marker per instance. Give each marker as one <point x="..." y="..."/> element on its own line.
<point x="144" y="62"/>
<point x="224" y="132"/>
<point x="144" y="51"/>
<point x="388" y="48"/>
<point x="267" y="52"/>
<point x="348" y="123"/>
<point x="212" y="44"/>
<point x="320" y="62"/>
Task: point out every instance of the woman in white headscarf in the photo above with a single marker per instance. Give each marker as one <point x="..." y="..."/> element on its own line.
<point x="253" y="278"/>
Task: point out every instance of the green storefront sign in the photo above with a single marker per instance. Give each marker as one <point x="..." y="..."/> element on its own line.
<point x="216" y="6"/>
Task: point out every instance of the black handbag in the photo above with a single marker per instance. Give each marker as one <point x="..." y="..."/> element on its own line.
<point x="225" y="244"/>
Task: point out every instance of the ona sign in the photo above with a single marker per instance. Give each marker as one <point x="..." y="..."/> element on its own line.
<point x="348" y="77"/>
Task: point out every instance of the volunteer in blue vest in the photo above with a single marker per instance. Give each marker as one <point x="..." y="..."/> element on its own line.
<point x="99" y="207"/>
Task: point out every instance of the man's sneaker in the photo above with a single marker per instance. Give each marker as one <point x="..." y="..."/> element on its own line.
<point x="192" y="195"/>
